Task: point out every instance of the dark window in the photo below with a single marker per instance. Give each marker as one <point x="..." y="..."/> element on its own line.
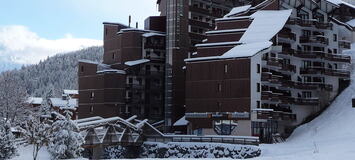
<point x="257" y="104"/>
<point x="82" y="68"/>
<point x="113" y="55"/>
<point x="226" y="68"/>
<point x="219" y="87"/>
<point x="130" y="80"/>
<point x="258" y="68"/>
<point x="335" y="51"/>
<point x="92" y="109"/>
<point x="335" y="37"/>
<point x="92" y="95"/>
<point x="105" y="31"/>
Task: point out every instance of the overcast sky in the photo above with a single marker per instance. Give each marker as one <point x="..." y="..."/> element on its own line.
<point x="31" y="30"/>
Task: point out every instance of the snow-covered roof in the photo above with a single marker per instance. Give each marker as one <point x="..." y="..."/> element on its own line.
<point x="233" y="18"/>
<point x="246" y="50"/>
<point x="88" y="119"/>
<point x="140" y="61"/>
<point x="152" y="34"/>
<point x="266" y="24"/>
<point x="88" y="61"/>
<point x="59" y="102"/>
<point x="339" y="2"/>
<point x="226" y="31"/>
<point x="237" y="10"/>
<point x="181" y="122"/>
<point x="217" y="44"/>
<point x="239" y="51"/>
<point x="112" y="71"/>
<point x="34" y="100"/>
<point x="351" y="23"/>
<point x="67" y="91"/>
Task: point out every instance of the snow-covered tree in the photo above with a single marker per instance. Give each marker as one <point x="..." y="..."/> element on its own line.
<point x="7" y="144"/>
<point x="13" y="96"/>
<point x="66" y="141"/>
<point x="37" y="133"/>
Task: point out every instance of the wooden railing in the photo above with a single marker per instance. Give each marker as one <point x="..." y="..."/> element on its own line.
<point x="245" y="140"/>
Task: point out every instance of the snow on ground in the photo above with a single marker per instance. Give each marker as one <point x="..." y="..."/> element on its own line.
<point x="329" y="136"/>
<point x="26" y="153"/>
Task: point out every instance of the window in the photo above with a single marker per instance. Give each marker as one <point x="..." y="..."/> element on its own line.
<point x="335" y="51"/>
<point x="219" y="87"/>
<point x="307" y="79"/>
<point x="225" y="68"/>
<point x="335" y="66"/>
<point x="257" y="104"/>
<point x="258" y="68"/>
<point x="257" y="87"/>
<point x="306" y="33"/>
<point x="307" y="64"/>
<point x="224" y="127"/>
<point x="307" y="94"/>
<point x="92" y="109"/>
<point x="113" y="55"/>
<point x="105" y="31"/>
<point x="130" y="80"/>
<point x="92" y="95"/>
<point x="335" y="37"/>
<point x="82" y="69"/>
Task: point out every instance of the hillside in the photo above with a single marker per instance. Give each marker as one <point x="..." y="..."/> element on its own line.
<point x="57" y="73"/>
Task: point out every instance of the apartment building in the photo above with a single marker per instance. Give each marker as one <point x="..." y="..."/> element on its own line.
<point x="187" y="22"/>
<point x="130" y="80"/>
<point x="267" y="67"/>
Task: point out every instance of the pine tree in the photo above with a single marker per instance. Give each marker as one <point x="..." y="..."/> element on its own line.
<point x="66" y="141"/>
<point x="37" y="133"/>
<point x="7" y="144"/>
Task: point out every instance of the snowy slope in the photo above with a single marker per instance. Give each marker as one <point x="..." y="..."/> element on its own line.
<point x="329" y="136"/>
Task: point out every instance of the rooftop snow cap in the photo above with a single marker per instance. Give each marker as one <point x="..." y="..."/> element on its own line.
<point x="136" y="62"/>
<point x="266" y="24"/>
<point x="239" y="51"/>
<point x="237" y="10"/>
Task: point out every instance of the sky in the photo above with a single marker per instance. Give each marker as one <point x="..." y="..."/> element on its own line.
<point x="32" y="30"/>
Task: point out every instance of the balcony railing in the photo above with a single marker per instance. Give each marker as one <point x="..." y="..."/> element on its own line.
<point x="309" y="23"/>
<point x="316" y="54"/>
<point x="325" y="71"/>
<point x="275" y="115"/>
<point x="314" y="39"/>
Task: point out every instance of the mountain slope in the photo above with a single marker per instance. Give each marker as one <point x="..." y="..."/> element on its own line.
<point x="56" y="73"/>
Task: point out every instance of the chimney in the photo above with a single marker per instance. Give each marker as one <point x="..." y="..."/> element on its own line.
<point x="129" y="21"/>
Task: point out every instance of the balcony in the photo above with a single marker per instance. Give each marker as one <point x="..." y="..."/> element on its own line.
<point x="269" y="77"/>
<point x="288" y="67"/>
<point x="337" y="58"/>
<point x="154" y="46"/>
<point x="275" y="115"/>
<point x="201" y="24"/>
<point x="325" y="71"/>
<point x="134" y="86"/>
<point x="317" y="39"/>
<point x="199" y="10"/>
<point x="305" y="54"/>
<point x="287" y="34"/>
<point x="309" y="23"/>
<point x="345" y="44"/>
<point x="269" y="95"/>
<point x="306" y="101"/>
